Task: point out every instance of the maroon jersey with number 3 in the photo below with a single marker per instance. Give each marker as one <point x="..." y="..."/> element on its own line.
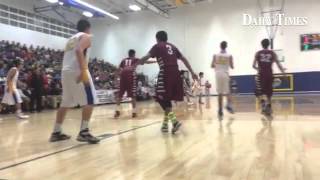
<point x="167" y="54"/>
<point x="169" y="85"/>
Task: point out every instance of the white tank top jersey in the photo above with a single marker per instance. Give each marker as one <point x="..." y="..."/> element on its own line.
<point x="15" y="79"/>
<point x="222" y="62"/>
<point x="70" y="62"/>
<point x="202" y="82"/>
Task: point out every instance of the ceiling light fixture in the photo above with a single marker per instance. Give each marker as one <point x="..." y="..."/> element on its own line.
<point x="96" y="9"/>
<point x="153" y="8"/>
<point x="135" y="7"/>
<point x="52" y="1"/>
<point x="87" y="14"/>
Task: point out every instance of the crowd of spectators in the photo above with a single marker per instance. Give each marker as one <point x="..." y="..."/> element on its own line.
<point x="41" y="71"/>
<point x="103" y="73"/>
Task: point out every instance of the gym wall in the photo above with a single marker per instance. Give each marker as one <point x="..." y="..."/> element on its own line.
<point x="197" y="31"/>
<point x="29" y="37"/>
<point x="22" y="35"/>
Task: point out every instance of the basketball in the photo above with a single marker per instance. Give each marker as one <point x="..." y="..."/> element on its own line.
<point x="277" y="82"/>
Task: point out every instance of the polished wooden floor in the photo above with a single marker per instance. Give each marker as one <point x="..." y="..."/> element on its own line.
<point x="244" y="146"/>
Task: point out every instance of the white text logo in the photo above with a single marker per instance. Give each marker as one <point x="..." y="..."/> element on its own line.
<point x="277" y="19"/>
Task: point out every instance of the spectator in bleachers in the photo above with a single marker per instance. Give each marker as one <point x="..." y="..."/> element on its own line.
<point x="53" y="98"/>
<point x="46" y="78"/>
<point x="25" y="93"/>
<point x="55" y="88"/>
<point x="2" y="69"/>
<point x="36" y="84"/>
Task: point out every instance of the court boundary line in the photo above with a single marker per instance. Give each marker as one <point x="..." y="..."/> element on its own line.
<point x="76" y="146"/>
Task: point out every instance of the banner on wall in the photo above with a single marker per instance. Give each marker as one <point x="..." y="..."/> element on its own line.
<point x="108" y="96"/>
<point x="283" y="83"/>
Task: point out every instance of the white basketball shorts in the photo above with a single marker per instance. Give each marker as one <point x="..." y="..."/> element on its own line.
<point x="11" y="98"/>
<point x="74" y="93"/>
<point x="223" y="83"/>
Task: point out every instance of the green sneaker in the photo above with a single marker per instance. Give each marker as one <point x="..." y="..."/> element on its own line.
<point x="176" y="127"/>
<point x="165" y="128"/>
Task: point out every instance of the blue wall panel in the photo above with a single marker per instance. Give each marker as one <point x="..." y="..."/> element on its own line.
<point x="302" y="82"/>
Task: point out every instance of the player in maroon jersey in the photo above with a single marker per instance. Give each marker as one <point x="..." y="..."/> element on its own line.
<point x="263" y="62"/>
<point x="169" y="85"/>
<point x="128" y="82"/>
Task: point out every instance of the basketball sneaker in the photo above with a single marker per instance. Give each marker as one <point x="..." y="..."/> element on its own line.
<point x="190" y="103"/>
<point x="175" y="123"/>
<point x="117" y="114"/>
<point x="220" y="113"/>
<point x="176" y="127"/>
<point x="165" y="128"/>
<point x="268" y="110"/>
<point x="230" y="109"/>
<point x="22" y="116"/>
<point x="58" y="136"/>
<point x="263" y="106"/>
<point x="85" y="136"/>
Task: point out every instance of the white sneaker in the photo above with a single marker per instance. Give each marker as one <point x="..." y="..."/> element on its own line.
<point x="22" y="116"/>
<point x="190" y="103"/>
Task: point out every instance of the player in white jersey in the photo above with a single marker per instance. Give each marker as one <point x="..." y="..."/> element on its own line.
<point x="222" y="62"/>
<point x="12" y="95"/>
<point x="77" y="84"/>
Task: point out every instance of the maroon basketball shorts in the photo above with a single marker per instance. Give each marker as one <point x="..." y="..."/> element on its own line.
<point x="264" y="85"/>
<point x="169" y="85"/>
<point x="128" y="83"/>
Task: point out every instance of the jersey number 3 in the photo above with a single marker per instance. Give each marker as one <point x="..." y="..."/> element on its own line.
<point x="170" y="50"/>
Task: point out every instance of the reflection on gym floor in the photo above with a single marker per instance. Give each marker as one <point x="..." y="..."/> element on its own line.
<point x="245" y="145"/>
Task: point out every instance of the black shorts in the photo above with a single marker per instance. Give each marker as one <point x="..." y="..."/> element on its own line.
<point x="170" y="85"/>
<point x="264" y="85"/>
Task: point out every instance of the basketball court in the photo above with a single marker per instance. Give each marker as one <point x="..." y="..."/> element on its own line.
<point x="242" y="146"/>
<point x="246" y="145"/>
